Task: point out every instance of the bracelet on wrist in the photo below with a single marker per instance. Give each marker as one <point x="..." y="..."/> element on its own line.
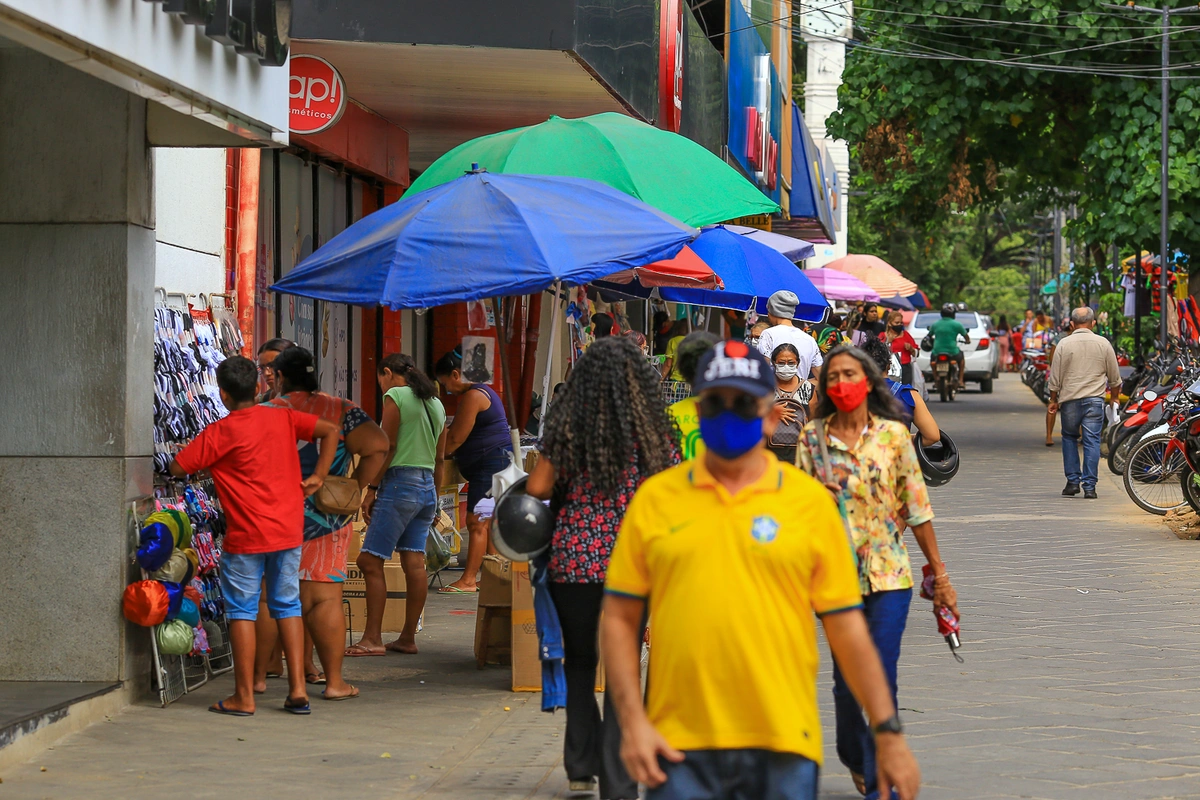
<point x="373" y="488"/>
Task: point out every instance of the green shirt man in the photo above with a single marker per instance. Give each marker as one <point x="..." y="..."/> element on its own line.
<point x="945" y="335"/>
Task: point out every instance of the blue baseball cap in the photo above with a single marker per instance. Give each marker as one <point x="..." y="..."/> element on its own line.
<point x="737" y="365"/>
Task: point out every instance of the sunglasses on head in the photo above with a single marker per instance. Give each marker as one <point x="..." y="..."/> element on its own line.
<point x="743" y="405"/>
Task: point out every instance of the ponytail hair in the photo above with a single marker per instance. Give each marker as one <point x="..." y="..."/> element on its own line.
<point x="449" y="362"/>
<point x="295" y="365"/>
<point x="421" y="384"/>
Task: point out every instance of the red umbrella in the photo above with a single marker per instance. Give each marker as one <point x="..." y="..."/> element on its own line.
<point x="686" y="270"/>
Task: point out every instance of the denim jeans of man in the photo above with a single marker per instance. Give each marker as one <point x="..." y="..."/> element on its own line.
<point x="887" y="615"/>
<point x="748" y="774"/>
<point x="1082" y="420"/>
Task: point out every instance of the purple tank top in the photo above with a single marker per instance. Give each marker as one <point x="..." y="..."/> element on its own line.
<point x="490" y="432"/>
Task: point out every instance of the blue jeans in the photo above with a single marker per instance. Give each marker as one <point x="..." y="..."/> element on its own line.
<point x="738" y="775"/>
<point x="1082" y="419"/>
<point x="403" y="512"/>
<point x="887" y="615"/>
<point x="242" y="582"/>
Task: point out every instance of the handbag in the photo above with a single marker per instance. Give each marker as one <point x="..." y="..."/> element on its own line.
<point x="826" y="476"/>
<point x="787" y="434"/>
<point x="340" y="496"/>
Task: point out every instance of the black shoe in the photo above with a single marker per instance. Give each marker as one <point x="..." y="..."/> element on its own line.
<point x="1089" y="494"/>
<point x="1071" y="490"/>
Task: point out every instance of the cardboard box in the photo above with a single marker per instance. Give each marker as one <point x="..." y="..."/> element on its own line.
<point x="354" y="592"/>
<point x="526" y="666"/>
<point x="495" y="583"/>
<point x="499" y="633"/>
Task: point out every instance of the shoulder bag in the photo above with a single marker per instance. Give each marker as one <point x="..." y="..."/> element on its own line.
<point x="339" y="495"/>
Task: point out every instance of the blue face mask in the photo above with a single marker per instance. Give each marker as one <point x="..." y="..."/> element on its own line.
<point x="730" y="436"/>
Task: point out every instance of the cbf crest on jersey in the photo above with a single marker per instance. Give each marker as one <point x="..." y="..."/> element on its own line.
<point x="764" y="529"/>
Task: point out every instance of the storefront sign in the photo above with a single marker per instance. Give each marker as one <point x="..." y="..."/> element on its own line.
<point x="317" y="95"/>
<point x="255" y="28"/>
<point x="670" y="65"/>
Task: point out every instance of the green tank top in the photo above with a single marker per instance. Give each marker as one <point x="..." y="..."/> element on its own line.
<point x="420" y="426"/>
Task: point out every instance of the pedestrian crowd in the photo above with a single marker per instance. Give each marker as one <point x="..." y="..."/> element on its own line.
<point x="777" y="494"/>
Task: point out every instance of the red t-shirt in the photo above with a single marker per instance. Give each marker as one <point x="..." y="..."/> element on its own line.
<point x="251" y="455"/>
<point x="898" y="345"/>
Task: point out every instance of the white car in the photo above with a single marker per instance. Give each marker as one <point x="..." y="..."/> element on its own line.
<point x="981" y="357"/>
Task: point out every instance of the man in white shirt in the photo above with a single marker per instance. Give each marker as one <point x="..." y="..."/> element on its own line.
<point x="781" y="308"/>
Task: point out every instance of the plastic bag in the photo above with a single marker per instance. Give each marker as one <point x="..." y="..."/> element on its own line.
<point x="438" y="554"/>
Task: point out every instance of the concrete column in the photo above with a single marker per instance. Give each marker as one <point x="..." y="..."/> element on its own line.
<point x="77" y="270"/>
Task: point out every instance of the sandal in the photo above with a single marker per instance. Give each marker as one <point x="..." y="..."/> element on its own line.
<point x="300" y="707"/>
<point x="219" y="708"/>
<point x="315" y="678"/>
<point x="452" y="589"/>
<point x="353" y="694"/>
<point x="360" y="650"/>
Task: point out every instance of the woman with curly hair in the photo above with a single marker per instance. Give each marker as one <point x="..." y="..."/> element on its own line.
<point x="857" y="446"/>
<point x="607" y="433"/>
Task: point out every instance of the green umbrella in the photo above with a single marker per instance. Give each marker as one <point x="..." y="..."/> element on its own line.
<point x="663" y="169"/>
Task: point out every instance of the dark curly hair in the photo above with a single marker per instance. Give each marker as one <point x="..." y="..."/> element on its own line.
<point x="611" y="408"/>
<point x="879" y="352"/>
<point x="879" y="401"/>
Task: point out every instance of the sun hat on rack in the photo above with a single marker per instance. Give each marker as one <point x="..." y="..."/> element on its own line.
<point x="155" y="545"/>
<point x="174" y="570"/>
<point x="174" y="638"/>
<point x="189" y="612"/>
<point x="145" y="603"/>
<point x="177" y="522"/>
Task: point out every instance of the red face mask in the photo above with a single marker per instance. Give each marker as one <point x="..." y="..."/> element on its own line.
<point x="847" y="396"/>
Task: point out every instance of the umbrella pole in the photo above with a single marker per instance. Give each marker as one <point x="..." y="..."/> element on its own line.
<point x="506" y="376"/>
<point x="549" y="361"/>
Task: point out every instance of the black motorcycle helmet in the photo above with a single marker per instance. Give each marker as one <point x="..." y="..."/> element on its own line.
<point x="939" y="462"/>
<point x="521" y="525"/>
<point x="948" y="310"/>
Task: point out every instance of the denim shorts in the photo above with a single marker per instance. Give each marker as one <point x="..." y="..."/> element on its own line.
<point x="404" y="511"/>
<point x="479" y="475"/>
<point x="242" y="581"/>
<point x="748" y="774"/>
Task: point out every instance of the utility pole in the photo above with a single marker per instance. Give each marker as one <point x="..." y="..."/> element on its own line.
<point x="1166" y="12"/>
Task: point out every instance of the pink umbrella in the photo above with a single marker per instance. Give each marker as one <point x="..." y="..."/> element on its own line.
<point x="835" y="285"/>
<point x="876" y="273"/>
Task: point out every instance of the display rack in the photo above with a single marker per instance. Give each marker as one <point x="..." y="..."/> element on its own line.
<point x="193" y="334"/>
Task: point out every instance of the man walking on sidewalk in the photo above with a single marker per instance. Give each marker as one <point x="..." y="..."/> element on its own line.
<point x="1083" y="367"/>
<point x="734" y="553"/>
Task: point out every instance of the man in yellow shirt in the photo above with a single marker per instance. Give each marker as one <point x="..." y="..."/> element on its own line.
<point x="734" y="552"/>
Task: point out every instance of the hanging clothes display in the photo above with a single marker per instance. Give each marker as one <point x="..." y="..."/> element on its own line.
<point x="189" y="344"/>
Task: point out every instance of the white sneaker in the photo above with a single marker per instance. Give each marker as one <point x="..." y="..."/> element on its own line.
<point x="587" y="785"/>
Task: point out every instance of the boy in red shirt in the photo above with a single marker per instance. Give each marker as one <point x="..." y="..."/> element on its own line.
<point x="251" y="455"/>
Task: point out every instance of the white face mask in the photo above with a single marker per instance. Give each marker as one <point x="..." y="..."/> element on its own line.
<point x="786" y="371"/>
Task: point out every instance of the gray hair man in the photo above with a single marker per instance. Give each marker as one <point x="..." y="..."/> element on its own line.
<point x="1084" y="366"/>
<point x="781" y="309"/>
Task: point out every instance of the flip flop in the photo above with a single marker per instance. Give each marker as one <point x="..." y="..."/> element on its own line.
<point x="353" y="694"/>
<point x="300" y="707"/>
<point x="315" y="679"/>
<point x="452" y="589"/>
<point x="271" y="675"/>
<point x="220" y="708"/>
<point x="360" y="651"/>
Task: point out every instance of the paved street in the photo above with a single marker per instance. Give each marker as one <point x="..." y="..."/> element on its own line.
<point x="1079" y="638"/>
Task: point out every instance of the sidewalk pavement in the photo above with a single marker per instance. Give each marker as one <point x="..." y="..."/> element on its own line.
<point x="1080" y="637"/>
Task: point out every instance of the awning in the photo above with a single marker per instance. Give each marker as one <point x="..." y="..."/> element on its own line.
<point x="812" y="212"/>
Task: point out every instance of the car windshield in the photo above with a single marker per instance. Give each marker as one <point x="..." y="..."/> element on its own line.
<point x="967" y="318"/>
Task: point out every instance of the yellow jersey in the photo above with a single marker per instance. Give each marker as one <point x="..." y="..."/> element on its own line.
<point x="733" y="582"/>
<point x="687" y="417"/>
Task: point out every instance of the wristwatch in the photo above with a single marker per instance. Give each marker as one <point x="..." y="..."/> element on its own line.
<point x="890" y="725"/>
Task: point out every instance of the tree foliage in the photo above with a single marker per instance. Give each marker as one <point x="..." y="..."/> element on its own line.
<point x="939" y="128"/>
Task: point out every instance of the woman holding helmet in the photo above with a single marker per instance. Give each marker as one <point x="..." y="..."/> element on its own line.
<point x="607" y="433"/>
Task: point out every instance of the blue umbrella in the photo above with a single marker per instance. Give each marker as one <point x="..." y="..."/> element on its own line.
<point x="486" y="235"/>
<point x="752" y="272"/>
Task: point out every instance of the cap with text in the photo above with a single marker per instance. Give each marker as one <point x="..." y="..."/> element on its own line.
<point x="736" y="365"/>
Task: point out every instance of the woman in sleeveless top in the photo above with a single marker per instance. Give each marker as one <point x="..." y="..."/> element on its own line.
<point x="481" y="444"/>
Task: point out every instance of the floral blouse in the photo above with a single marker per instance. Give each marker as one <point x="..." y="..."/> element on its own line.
<point x="883" y="491"/>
